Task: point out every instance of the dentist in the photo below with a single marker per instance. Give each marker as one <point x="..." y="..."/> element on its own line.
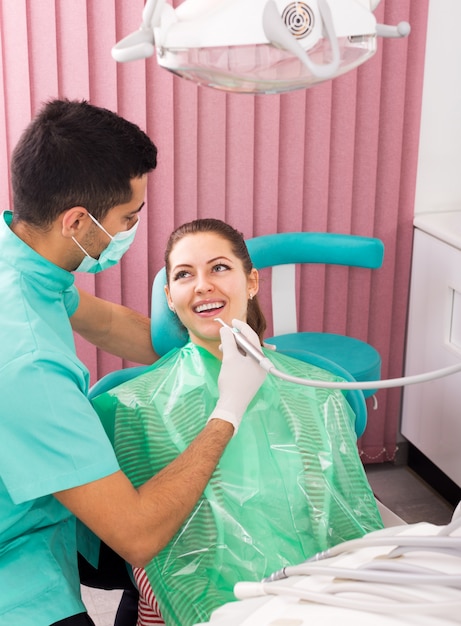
<point x="79" y="175"/>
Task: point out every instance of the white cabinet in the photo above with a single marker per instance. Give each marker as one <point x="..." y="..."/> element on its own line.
<point x="431" y="416"/>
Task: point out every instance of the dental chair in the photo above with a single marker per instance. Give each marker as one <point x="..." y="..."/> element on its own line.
<point x="284" y="252"/>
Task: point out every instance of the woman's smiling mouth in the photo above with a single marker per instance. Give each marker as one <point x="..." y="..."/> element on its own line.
<point x="204" y="307"/>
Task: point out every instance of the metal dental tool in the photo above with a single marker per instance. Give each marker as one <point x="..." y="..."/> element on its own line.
<point x="246" y="345"/>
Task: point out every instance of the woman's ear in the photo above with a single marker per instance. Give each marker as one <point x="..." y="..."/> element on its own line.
<point x="253" y="283"/>
<point x="168" y="299"/>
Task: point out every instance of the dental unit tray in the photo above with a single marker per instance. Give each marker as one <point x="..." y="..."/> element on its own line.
<point x="404" y="575"/>
<point x="258" y="46"/>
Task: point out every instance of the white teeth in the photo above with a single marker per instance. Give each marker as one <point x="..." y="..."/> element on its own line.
<point x="208" y="307"/>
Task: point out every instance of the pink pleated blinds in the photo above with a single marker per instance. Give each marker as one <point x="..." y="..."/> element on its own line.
<point x="340" y="157"/>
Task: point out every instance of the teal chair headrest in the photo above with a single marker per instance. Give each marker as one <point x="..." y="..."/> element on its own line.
<point x="166" y="330"/>
<point x="329" y="248"/>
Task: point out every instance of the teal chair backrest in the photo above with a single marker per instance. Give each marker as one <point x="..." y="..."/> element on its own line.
<point x="354" y="397"/>
<point x="115" y="378"/>
<point x="284" y="251"/>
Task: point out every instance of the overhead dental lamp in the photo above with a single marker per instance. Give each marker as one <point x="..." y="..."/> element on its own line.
<point x="258" y="46"/>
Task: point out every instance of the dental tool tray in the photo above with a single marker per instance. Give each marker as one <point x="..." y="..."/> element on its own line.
<point x="413" y="604"/>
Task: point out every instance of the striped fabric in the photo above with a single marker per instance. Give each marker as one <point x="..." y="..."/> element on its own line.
<point x="148" y="609"/>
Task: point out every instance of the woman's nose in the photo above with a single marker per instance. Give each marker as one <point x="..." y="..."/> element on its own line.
<point x="203" y="284"/>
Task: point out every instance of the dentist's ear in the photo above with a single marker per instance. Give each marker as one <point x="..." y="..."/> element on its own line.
<point x="73" y="221"/>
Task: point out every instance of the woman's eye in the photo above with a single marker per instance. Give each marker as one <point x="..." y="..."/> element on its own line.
<point x="181" y="274"/>
<point x="220" y="267"/>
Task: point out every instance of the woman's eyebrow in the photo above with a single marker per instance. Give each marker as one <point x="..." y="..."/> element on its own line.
<point x="181" y="265"/>
<point x="220" y="257"/>
<point x="209" y="262"/>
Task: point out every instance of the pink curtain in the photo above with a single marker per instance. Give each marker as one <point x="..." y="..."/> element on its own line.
<point x="339" y="157"/>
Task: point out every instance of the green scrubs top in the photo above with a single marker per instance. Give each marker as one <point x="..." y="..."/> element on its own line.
<point x="50" y="437"/>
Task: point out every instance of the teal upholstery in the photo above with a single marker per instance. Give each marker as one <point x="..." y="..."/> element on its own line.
<point x="108" y="382"/>
<point x="330" y="248"/>
<point x="166" y="330"/>
<point x="290" y="249"/>
<point x="115" y="378"/>
<point x="358" y="357"/>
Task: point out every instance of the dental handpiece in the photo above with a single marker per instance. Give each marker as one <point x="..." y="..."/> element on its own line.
<point x="258" y="355"/>
<point x="244" y="343"/>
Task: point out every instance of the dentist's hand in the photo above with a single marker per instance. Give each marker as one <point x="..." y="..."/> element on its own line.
<point x="240" y="376"/>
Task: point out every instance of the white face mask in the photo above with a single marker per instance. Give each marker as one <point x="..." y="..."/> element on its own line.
<point x="118" y="245"/>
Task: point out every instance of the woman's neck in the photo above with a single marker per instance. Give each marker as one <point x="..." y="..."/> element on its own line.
<point x="209" y="346"/>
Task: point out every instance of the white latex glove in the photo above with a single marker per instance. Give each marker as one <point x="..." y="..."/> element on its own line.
<point x="240" y="376"/>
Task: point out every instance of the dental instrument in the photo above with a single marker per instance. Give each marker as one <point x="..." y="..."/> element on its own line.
<point x="246" y="345"/>
<point x="267" y="365"/>
<point x="272" y="46"/>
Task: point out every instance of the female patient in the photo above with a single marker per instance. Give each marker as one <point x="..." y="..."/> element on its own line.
<point x="290" y="483"/>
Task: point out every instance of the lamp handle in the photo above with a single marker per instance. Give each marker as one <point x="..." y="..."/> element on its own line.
<point x="140" y="44"/>
<point x="402" y="29"/>
<point x="277" y="33"/>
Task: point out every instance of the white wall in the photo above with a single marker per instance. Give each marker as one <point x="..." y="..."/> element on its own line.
<point x="439" y="166"/>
